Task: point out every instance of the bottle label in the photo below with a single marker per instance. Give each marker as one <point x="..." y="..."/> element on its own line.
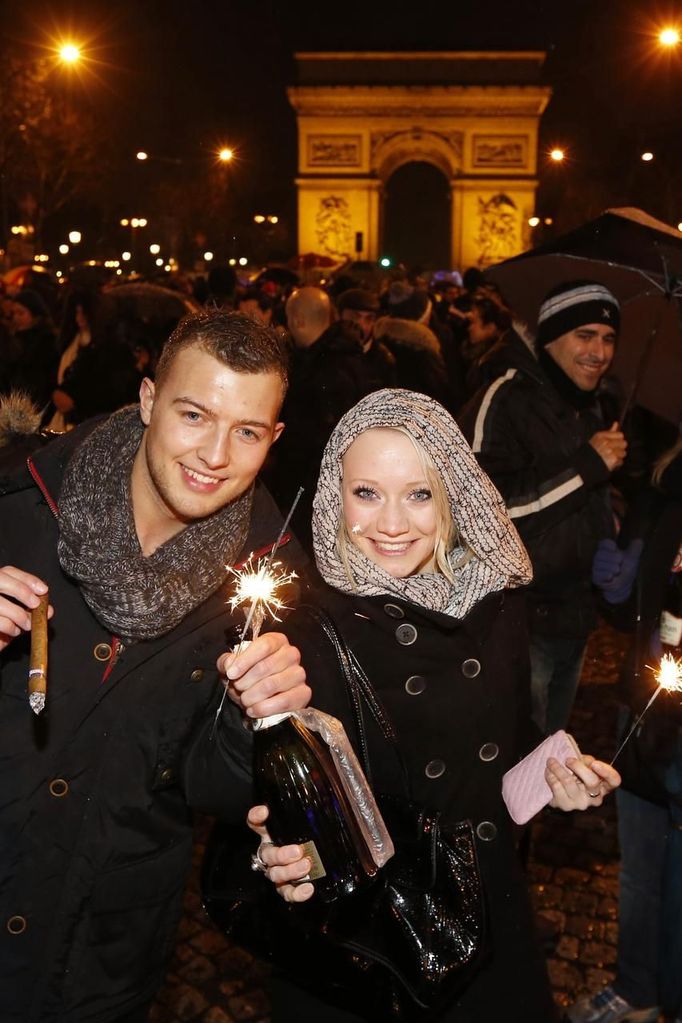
<point x="671" y="629"/>
<point x="317" y="869"/>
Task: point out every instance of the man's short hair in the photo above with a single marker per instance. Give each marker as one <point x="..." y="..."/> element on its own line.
<point x="360" y="300"/>
<point x="491" y="311"/>
<point x="256" y="295"/>
<point x="239" y="341"/>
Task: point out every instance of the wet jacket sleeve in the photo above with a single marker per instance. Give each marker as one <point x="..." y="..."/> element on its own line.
<point x="540" y="489"/>
<point x="217" y="766"/>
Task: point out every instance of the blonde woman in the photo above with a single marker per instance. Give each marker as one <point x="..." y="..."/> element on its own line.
<point x="424" y="575"/>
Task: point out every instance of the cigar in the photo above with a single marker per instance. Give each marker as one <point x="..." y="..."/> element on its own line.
<point x="37" y="675"/>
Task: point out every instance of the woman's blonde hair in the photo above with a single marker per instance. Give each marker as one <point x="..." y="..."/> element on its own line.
<point x="664" y="460"/>
<point x="447" y="532"/>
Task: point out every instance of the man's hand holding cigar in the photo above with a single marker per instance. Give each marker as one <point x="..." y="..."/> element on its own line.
<point x="20" y="594"/>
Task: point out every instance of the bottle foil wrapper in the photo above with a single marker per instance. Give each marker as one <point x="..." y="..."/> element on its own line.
<point x="353" y="779"/>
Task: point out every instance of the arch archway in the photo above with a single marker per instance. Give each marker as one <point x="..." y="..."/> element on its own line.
<point x="472" y="116"/>
<point x="416" y="216"/>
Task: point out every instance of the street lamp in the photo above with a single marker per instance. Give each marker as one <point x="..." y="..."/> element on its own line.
<point x="74" y="237"/>
<point x="69" y="53"/>
<point x="557" y="155"/>
<point x="225" y="154"/>
<point x="647" y="156"/>
<point x="669" y="36"/>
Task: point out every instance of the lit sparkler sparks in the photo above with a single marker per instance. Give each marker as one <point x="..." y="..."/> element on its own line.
<point x="258" y="586"/>
<point x="669" y="678"/>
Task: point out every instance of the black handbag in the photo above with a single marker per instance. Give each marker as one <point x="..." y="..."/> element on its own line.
<point x="408" y="943"/>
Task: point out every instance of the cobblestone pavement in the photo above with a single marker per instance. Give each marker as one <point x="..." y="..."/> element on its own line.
<point x="573" y="871"/>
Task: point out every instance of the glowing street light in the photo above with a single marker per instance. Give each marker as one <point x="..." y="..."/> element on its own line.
<point x="208" y="256"/>
<point x="225" y="154"/>
<point x="141" y="155"/>
<point x="154" y="249"/>
<point x="63" y="249"/>
<point x="259" y="218"/>
<point x="69" y="53"/>
<point x="74" y="237"/>
<point x="647" y="157"/>
<point x="126" y="256"/>
<point x="557" y="155"/>
<point x="533" y="221"/>
<point x="669" y="36"/>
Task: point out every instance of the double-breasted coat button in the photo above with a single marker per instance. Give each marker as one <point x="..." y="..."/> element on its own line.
<point x="471" y="667"/>
<point x="415" y="685"/>
<point x="166" y="775"/>
<point x="488" y="751"/>
<point x="58" y="787"/>
<point x="102" y="651"/>
<point x="434" y="768"/>
<point x="17" y="924"/>
<point x="393" y="611"/>
<point x="197" y="675"/>
<point x="406" y="634"/>
<point x="486" y="831"/>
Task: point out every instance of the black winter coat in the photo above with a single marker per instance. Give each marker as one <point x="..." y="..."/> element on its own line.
<point x="535" y="447"/>
<point x="458" y="696"/>
<point x="95" y="829"/>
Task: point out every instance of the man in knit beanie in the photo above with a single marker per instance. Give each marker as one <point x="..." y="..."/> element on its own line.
<point x="543" y="433"/>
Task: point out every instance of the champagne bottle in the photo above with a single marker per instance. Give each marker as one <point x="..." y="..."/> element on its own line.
<point x="295" y="776"/>
<point x="671" y="617"/>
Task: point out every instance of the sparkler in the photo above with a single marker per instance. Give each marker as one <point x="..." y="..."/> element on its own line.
<point x="260" y="587"/>
<point x="669" y="678"/>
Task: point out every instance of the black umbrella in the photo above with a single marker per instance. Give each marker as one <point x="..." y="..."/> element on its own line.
<point x="640" y="260"/>
<point x="151" y="303"/>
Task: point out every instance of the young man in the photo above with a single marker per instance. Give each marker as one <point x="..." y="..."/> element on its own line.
<point x="131" y="525"/>
<point x="540" y="433"/>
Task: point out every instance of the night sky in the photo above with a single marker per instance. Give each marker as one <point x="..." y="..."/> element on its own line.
<point x="179" y="78"/>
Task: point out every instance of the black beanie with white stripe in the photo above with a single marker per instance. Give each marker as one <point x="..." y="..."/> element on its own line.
<point x="575" y="304"/>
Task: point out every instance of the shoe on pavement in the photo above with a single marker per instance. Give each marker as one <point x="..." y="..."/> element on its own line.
<point x="608" y="1007"/>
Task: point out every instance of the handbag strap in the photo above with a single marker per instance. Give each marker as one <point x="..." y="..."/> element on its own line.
<point x="359" y="689"/>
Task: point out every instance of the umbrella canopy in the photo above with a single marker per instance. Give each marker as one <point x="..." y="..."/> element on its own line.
<point x="280" y="275"/>
<point x="150" y="302"/>
<point x="640" y="260"/>
<point x="312" y="261"/>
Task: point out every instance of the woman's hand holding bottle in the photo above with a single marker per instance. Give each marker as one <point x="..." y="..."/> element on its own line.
<point x="284" y="865"/>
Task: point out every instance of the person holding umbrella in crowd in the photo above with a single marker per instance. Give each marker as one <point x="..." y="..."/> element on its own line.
<point x="542" y="435"/>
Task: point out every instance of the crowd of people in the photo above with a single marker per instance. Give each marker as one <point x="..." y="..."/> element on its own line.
<point x="464" y="565"/>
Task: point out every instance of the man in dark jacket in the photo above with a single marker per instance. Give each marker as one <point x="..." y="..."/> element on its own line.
<point x="415" y="347"/>
<point x="329" y="374"/>
<point x="360" y="307"/>
<point x="540" y="434"/>
<point x="130" y="523"/>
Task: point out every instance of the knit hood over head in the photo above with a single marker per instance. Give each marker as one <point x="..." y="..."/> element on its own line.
<point x="498" y="559"/>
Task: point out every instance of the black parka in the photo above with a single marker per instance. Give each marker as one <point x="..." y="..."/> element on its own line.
<point x="95" y="829"/>
<point x="457" y="693"/>
<point x="535" y="447"/>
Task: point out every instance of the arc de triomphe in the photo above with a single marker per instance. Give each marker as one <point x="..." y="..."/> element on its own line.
<point x="361" y="116"/>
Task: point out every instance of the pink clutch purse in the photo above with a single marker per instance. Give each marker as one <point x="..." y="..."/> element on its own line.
<point x="524" y="788"/>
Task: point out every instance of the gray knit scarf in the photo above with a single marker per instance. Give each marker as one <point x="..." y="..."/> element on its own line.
<point x="137" y="597"/>
<point x="497" y="560"/>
